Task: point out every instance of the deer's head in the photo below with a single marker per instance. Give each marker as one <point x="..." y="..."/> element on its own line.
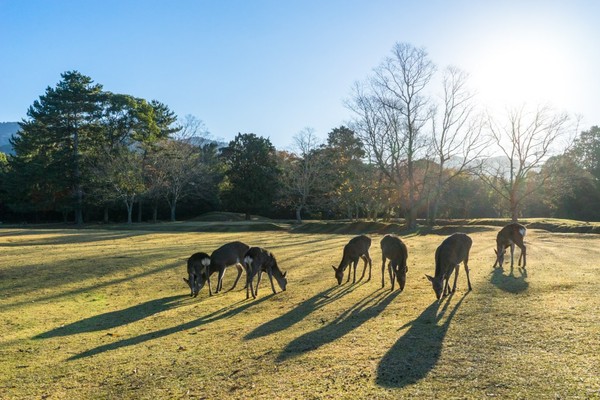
<point x="401" y="275"/>
<point x="499" y="256"/>
<point x="339" y="274"/>
<point x="438" y="285"/>
<point x="195" y="283"/>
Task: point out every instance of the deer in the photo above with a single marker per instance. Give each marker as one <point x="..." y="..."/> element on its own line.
<point x="448" y="256"/>
<point x="509" y="236"/>
<point x="394" y="249"/>
<point x="258" y="260"/>
<point x="225" y="256"/>
<point x="356" y="248"/>
<point x="196" y="268"/>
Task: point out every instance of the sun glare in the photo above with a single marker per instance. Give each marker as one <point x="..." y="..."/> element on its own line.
<point x="528" y="68"/>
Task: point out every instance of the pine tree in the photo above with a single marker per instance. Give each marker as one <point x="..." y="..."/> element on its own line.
<point x="60" y="128"/>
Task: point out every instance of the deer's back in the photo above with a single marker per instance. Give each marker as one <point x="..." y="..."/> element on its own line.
<point x="453" y="250"/>
<point x="357" y="246"/>
<point x="196" y="262"/>
<point x="507" y="232"/>
<point x="258" y="255"/>
<point x="393" y="248"/>
<point x="229" y="254"/>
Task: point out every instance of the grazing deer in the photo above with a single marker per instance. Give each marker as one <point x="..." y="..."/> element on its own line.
<point x="511" y="235"/>
<point x="227" y="255"/>
<point x="394" y="249"/>
<point x="257" y="261"/>
<point x="356" y="248"/>
<point x="448" y="256"/>
<point x="196" y="268"/>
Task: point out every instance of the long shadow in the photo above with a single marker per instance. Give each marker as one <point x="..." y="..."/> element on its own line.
<point x="418" y="350"/>
<point x="68" y="237"/>
<point x="510" y="283"/>
<point x="64" y="277"/>
<point x="300" y="312"/>
<point x="224" y="312"/>
<point x="358" y="314"/>
<point x="114" y="319"/>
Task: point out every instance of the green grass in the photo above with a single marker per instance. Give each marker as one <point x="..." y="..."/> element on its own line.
<point x="104" y="314"/>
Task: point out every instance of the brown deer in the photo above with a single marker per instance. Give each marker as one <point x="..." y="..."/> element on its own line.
<point x="509" y="236"/>
<point x="225" y="256"/>
<point x="356" y="248"/>
<point x="394" y="249"/>
<point x="448" y="256"/>
<point x="196" y="268"/>
<point x="258" y="260"/>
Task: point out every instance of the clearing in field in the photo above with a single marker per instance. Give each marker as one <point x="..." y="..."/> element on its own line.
<point x="105" y="314"/>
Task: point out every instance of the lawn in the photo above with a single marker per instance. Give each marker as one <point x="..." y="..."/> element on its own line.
<point x="105" y="314"/>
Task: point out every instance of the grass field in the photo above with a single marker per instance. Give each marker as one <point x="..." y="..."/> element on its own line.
<point x="105" y="314"/>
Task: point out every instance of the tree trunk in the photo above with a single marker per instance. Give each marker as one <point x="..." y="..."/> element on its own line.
<point x="139" y="217"/>
<point x="173" y="206"/>
<point x="299" y="214"/>
<point x="154" y="212"/>
<point x="105" y="218"/>
<point x="129" y="205"/>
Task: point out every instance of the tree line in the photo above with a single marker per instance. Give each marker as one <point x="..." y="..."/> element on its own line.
<point x="418" y="146"/>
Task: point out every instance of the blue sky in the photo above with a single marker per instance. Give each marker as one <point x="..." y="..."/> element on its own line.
<point x="275" y="67"/>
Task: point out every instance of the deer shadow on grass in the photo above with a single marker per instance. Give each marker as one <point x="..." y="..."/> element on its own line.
<point x="510" y="283"/>
<point x="225" y="312"/>
<point x="416" y="352"/>
<point x="355" y="316"/>
<point x="115" y="319"/>
<point x="300" y="312"/>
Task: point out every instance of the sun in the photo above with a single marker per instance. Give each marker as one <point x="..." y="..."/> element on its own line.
<point x="525" y="68"/>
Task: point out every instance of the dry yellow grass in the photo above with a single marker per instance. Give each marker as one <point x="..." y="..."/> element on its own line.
<point x="105" y="314"/>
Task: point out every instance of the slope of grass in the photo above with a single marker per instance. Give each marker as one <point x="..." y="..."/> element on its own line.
<point x="105" y="314"/>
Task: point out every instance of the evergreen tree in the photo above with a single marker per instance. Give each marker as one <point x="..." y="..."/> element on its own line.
<point x="61" y="125"/>
<point x="252" y="175"/>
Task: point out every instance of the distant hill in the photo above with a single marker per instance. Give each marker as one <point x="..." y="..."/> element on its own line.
<point x="200" y="142"/>
<point x="7" y="129"/>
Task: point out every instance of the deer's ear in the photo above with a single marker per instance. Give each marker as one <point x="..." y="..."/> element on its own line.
<point x="284" y="274"/>
<point x="334" y="268"/>
<point x="496" y="251"/>
<point x="186" y="281"/>
<point x="429" y="277"/>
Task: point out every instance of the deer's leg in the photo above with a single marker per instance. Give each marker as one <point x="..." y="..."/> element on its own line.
<point x="512" y="256"/>
<point x="206" y="269"/>
<point x="456" y="269"/>
<point x="353" y="264"/>
<point x="364" y="268"/>
<point x="523" y="254"/>
<point x="446" y="286"/>
<point x="220" y="279"/>
<point x="249" y="277"/>
<point x="370" y="265"/>
<point x="392" y="270"/>
<point x="467" y="272"/>
<point x="270" y="273"/>
<point x="260" y="272"/>
<point x="239" y="270"/>
<point x="382" y="272"/>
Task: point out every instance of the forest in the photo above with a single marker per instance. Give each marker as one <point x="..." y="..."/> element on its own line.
<point x="87" y="155"/>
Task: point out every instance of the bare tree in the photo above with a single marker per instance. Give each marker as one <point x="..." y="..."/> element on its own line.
<point x="305" y="169"/>
<point x="175" y="167"/>
<point x="526" y="140"/>
<point x="121" y="175"/>
<point x="457" y="137"/>
<point x="393" y="110"/>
